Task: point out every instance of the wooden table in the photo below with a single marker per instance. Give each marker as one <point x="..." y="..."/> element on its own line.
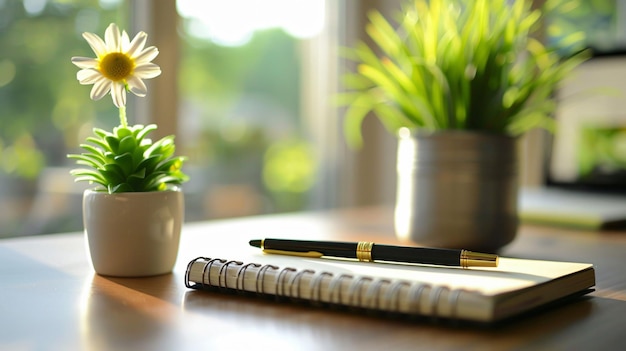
<point x="50" y="299"/>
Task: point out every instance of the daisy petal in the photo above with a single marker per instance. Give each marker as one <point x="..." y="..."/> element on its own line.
<point x="118" y="93"/>
<point x="147" y="55"/>
<point x="125" y="43"/>
<point x="137" y="86"/>
<point x="95" y="42"/>
<point x="87" y="76"/>
<point x="139" y="41"/>
<point x="147" y="71"/>
<point x="112" y="38"/>
<point x="100" y="88"/>
<point x="85" y="62"/>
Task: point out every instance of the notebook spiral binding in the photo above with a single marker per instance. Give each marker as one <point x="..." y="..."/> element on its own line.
<point x="372" y="299"/>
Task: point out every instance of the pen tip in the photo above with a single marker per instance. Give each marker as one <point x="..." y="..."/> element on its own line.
<point x="255" y="243"/>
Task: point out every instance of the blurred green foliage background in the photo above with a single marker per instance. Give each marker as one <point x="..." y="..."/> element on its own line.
<point x="237" y="102"/>
<point x="239" y="118"/>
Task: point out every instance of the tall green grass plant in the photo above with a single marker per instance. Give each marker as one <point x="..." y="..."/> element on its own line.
<point x="454" y="64"/>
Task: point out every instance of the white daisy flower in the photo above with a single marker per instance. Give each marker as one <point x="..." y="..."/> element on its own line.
<point x="120" y="65"/>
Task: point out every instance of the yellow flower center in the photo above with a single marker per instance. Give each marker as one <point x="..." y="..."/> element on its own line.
<point x="116" y="66"/>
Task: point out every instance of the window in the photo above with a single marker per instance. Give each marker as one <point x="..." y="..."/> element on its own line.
<point x="249" y="98"/>
<point x="602" y="21"/>
<point x="43" y="111"/>
<point x="589" y="146"/>
<point x="240" y="91"/>
<point x="242" y="97"/>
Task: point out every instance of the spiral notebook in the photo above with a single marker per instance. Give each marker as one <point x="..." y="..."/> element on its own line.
<point x="477" y="294"/>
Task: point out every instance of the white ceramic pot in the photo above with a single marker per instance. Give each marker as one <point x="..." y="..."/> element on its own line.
<point x="133" y="234"/>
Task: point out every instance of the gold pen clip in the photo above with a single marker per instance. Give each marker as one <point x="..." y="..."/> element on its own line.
<point x="311" y="254"/>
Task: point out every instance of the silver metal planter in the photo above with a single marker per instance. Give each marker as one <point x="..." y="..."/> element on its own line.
<point x="457" y="189"/>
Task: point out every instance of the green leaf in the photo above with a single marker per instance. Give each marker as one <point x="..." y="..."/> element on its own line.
<point x="145" y="131"/>
<point x="389" y="87"/>
<point x="101" y="133"/>
<point x="164" y="147"/>
<point x="136" y="129"/>
<point x="120" y="188"/>
<point x="95" y="159"/>
<point x="122" y="132"/>
<point x="171" y="165"/>
<point x="170" y="180"/>
<point x="140" y="174"/>
<point x="127" y="145"/>
<point x="113" y="174"/>
<point x="395" y="120"/>
<point x="88" y="174"/>
<point x="354" y="118"/>
<point x="93" y="150"/>
<point x="356" y="81"/>
<point x="123" y="164"/>
<point x="113" y="143"/>
<point x="149" y="163"/>
<point x="383" y="34"/>
<point x="98" y="142"/>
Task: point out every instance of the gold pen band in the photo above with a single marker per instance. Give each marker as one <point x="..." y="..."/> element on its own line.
<point x="477" y="259"/>
<point x="364" y="251"/>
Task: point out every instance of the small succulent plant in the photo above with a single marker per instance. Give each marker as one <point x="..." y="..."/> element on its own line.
<point x="126" y="161"/>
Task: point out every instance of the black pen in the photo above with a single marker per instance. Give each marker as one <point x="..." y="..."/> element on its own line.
<point x="368" y="251"/>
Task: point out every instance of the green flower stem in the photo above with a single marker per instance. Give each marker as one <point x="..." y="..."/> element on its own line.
<point x="123" y="119"/>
